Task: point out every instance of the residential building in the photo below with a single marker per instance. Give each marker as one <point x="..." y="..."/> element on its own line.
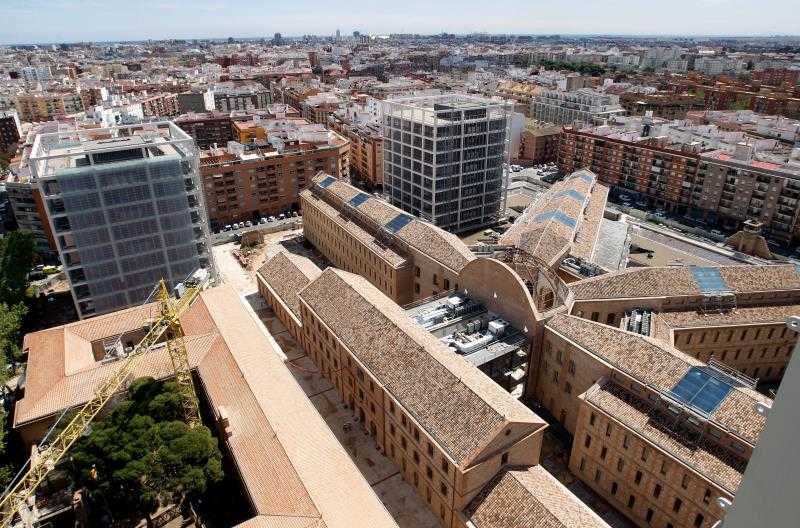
<point x="538" y="144"/>
<point x="207" y="129"/>
<point x="231" y="96"/>
<point x="161" y="105"/>
<point x="668" y="106"/>
<point x="244" y="182"/>
<point x="444" y="158"/>
<point x="10" y="130"/>
<point x="701" y="171"/>
<point x="125" y="207"/>
<point x="265" y="424"/>
<point x="363" y="130"/>
<point x="565" y="108"/>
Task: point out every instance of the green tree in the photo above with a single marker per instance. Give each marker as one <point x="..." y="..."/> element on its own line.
<point x="143" y="455"/>
<point x="16" y="258"/>
<point x="10" y="324"/>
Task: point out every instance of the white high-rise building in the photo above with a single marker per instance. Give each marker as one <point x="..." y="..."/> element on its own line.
<point x="566" y="108"/>
<point x="125" y="207"/>
<point x="445" y="158"/>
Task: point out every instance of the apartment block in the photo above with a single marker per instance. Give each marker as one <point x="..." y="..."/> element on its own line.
<point x="405" y="258"/>
<point x="444" y="158"/>
<point x="208" y="128"/>
<point x="247" y="181"/>
<point x="231" y="96"/>
<point x="10" y="130"/>
<point x="126" y="210"/>
<point x="565" y="108"/>
<point x="718" y="177"/>
<point x="538" y="144"/>
<point x="161" y="105"/>
<point x="666" y="105"/>
<point x="366" y="145"/>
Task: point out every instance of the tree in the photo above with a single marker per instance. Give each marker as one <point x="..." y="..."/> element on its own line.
<point x="16" y="258"/>
<point x="10" y="324"/>
<point x="143" y="455"/>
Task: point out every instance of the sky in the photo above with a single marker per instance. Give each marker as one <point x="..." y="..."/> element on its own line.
<point x="49" y="21"/>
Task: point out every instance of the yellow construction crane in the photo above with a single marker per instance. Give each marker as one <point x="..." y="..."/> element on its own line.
<point x="166" y="325"/>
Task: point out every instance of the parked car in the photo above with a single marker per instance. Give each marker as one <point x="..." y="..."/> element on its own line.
<point x="281" y="216"/>
<point x="236" y="226"/>
<point x="271" y="219"/>
<point x="262" y="220"/>
<point x="248" y="224"/>
<point x="227" y="228"/>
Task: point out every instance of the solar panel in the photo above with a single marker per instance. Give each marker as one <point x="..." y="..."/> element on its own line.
<point x="587" y="178"/>
<point x="398" y="222"/>
<point x="558" y="216"/>
<point x="327" y="181"/>
<point x="701" y="390"/>
<point x="709" y="279"/>
<point x="359" y="199"/>
<point x="572" y="193"/>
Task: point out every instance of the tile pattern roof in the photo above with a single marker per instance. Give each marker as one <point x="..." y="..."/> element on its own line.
<point x="679" y="281"/>
<point x="548" y="226"/>
<point x="713" y="462"/>
<point x="459" y="406"/>
<point x="365" y="237"/>
<point x="742" y="315"/>
<point x="441" y="246"/>
<point x="287" y="274"/>
<point x="661" y="366"/>
<point x="532" y="498"/>
<point x="275" y="436"/>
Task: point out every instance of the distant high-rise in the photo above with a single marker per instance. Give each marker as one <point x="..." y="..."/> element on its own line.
<point x="338" y="35"/>
<point x="125" y="207"/>
<point x="444" y="158"/>
<point x="277" y="39"/>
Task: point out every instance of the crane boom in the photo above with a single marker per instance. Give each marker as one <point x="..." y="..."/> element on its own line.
<point x="166" y="325"/>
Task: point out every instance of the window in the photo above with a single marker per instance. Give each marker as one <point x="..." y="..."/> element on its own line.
<point x="608" y="429"/>
<point x="587" y="442"/>
<point x="657" y="491"/>
<point x="403" y="442"/>
<point x="583" y="464"/>
<point x="649" y="516"/>
<point x="664" y="467"/>
<point x="571" y="367"/>
<point x="504" y="459"/>
<point x="430" y="449"/>
<point x="416" y="287"/>
<point x="429" y="472"/>
<point x="644" y="454"/>
<point x="595" y="316"/>
<point x="685" y="481"/>
<point x="620" y="464"/>
<point x="391" y="406"/>
<point x="707" y="496"/>
<point x="445" y="466"/>
<point x="625" y="442"/>
<point x="392" y="430"/>
<point x="416" y="457"/>
<point x="568" y="388"/>
<point x="613" y="488"/>
<point x="638" y="479"/>
<point x="603" y="453"/>
<point x="435" y="280"/>
<point x="416" y="271"/>
<point x="698" y="520"/>
<point x="631" y="501"/>
<point x="447" y="284"/>
<point x="597" y="475"/>
<point x="676" y="506"/>
<point x="416" y="434"/>
<point x="591" y="419"/>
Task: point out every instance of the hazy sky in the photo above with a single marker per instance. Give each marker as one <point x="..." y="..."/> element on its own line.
<point x="73" y="20"/>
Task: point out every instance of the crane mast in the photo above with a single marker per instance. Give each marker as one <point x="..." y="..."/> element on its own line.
<point x="166" y="325"/>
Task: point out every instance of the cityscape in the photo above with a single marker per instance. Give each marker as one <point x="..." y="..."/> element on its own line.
<point x="459" y="265"/>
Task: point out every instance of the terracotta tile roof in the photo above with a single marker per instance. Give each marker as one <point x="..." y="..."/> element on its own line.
<point x="660" y="366"/>
<point x="441" y="246"/>
<point x="548" y="226"/>
<point x="679" y="281"/>
<point x="287" y="274"/>
<point x="459" y="406"/>
<point x="382" y="250"/>
<point x="532" y="498"/>
<point x="275" y="436"/>
<point x="711" y="461"/>
<point x="736" y="316"/>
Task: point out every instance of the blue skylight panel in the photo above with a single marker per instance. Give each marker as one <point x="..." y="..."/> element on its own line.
<point x="709" y="279"/>
<point x="327" y="181"/>
<point x="701" y="390"/>
<point x="558" y="216"/>
<point x="359" y="199"/>
<point x="398" y="222"/>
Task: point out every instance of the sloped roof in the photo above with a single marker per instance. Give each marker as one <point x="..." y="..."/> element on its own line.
<point x="459" y="406"/>
<point x="287" y="274"/>
<point x="532" y="498"/>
